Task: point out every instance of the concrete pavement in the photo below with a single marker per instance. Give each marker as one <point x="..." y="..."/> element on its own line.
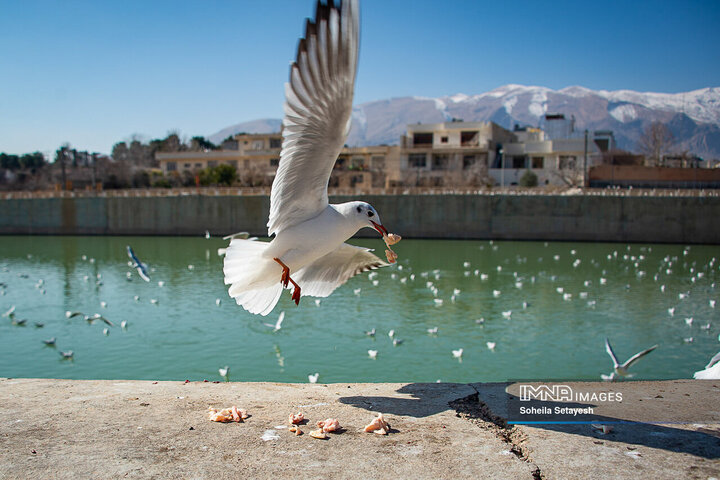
<point x="141" y="429"/>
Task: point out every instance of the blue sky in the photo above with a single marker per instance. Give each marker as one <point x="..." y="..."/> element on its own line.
<point x="93" y="73"/>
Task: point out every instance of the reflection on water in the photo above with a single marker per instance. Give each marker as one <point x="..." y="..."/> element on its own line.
<point x="547" y="308"/>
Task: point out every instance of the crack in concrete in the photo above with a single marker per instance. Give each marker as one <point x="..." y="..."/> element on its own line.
<point x="479" y="413"/>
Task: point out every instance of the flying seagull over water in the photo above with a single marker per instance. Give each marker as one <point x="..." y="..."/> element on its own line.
<point x="622" y="368"/>
<point x="308" y="250"/>
<point x="278" y="324"/>
<point x="137" y="264"/>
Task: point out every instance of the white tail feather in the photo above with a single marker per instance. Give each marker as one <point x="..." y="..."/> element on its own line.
<point x="254" y="280"/>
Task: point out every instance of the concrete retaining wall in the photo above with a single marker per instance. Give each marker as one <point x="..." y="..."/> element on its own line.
<point x="521" y="217"/>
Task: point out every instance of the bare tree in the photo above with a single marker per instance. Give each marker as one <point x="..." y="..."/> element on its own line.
<point x="656" y="142"/>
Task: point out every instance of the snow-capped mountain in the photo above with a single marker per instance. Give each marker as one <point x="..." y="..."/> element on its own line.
<point x="693" y="117"/>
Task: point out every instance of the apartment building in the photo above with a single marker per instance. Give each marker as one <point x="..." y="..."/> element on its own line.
<point x="483" y="153"/>
<point x="448" y="154"/>
<point x="259" y="153"/>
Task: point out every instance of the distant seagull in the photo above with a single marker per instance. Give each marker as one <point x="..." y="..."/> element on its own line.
<point x="313" y="378"/>
<point x="608" y="378"/>
<point x="671" y="311"/>
<point x="496" y="293"/>
<point x="357" y="291"/>
<point x="712" y="303"/>
<point x="397" y="341"/>
<point x="161" y="284"/>
<point x="689" y="321"/>
<point x="622" y="368"/>
<point x="372" y="353"/>
<point x="103" y="304"/>
<point x="154" y="301"/>
<point x="507" y="314"/>
<point x="278" y="324"/>
<point x="391" y="333"/>
<point x="218" y="302"/>
<point x="10" y="313"/>
<point x="370" y="333"/>
<point x="106" y="331"/>
<point x="438" y="302"/>
<point x="432" y="331"/>
<point x="224" y="371"/>
<point x="457" y="353"/>
<point x="138" y="265"/>
<point x="20" y="323"/>
<point x="97" y="316"/>
<point x="712" y="370"/>
<point x="136" y="298"/>
<point x="50" y="341"/>
<point x="39" y="325"/>
<point x="207" y="234"/>
<point x="70" y="314"/>
<point x="123" y="324"/>
<point x="490" y="345"/>
<point x="191" y="267"/>
<point x="69" y="354"/>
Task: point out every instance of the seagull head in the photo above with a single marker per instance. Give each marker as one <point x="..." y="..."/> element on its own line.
<point x="367" y="216"/>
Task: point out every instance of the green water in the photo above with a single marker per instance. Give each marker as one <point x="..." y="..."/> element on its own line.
<point x="186" y="335"/>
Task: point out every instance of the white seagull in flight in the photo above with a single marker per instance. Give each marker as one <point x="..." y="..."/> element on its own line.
<point x="308" y="250"/>
<point x="137" y="264"/>
<point x="622" y="368"/>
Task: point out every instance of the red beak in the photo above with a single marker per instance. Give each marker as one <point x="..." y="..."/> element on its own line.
<point x="382" y="230"/>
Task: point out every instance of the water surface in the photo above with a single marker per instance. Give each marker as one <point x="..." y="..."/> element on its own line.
<point x="187" y="335"/>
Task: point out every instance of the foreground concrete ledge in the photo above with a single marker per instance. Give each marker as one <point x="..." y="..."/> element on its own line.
<point x="143" y="429"/>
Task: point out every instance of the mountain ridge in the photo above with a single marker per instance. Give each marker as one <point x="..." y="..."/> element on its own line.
<point x="693" y="117"/>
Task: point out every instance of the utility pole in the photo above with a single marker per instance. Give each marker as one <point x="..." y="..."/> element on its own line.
<point x="502" y="168"/>
<point x="585" y="160"/>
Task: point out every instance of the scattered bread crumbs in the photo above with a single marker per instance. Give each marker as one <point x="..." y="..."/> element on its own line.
<point x="318" y="434"/>
<point x="329" y="425"/>
<point x="231" y="414"/>
<point x="378" y="426"/>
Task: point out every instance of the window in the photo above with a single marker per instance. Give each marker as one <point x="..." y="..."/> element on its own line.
<point x="198" y="165"/>
<point x="171" y="166"/>
<point x="518" y="161"/>
<point x="275" y="143"/>
<point x="417" y="160"/>
<point x="212" y="163"/>
<point x="440" y="162"/>
<point x="567" y="162"/>
<point x="468" y="161"/>
<point x="187" y="166"/>
<point x="469" y="139"/>
<point x="274" y="162"/>
<point x="444" y="139"/>
<point x="357" y="179"/>
<point x="357" y="163"/>
<point x="420" y="139"/>
<point x="232" y="163"/>
<point x="378" y="162"/>
<point x="537" y="162"/>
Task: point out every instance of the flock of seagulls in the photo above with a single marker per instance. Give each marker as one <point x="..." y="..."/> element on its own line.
<point x="617" y="266"/>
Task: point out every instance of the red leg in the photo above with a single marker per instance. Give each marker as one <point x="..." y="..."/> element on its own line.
<point x="285" y="278"/>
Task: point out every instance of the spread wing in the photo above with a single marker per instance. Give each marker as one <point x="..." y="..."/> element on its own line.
<point x="638" y="356"/>
<point x="610" y="352"/>
<point x="324" y="275"/>
<point x="318" y="107"/>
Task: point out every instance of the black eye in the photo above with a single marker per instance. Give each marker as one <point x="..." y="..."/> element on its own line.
<point x="370" y="213"/>
<point x="359" y="209"/>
